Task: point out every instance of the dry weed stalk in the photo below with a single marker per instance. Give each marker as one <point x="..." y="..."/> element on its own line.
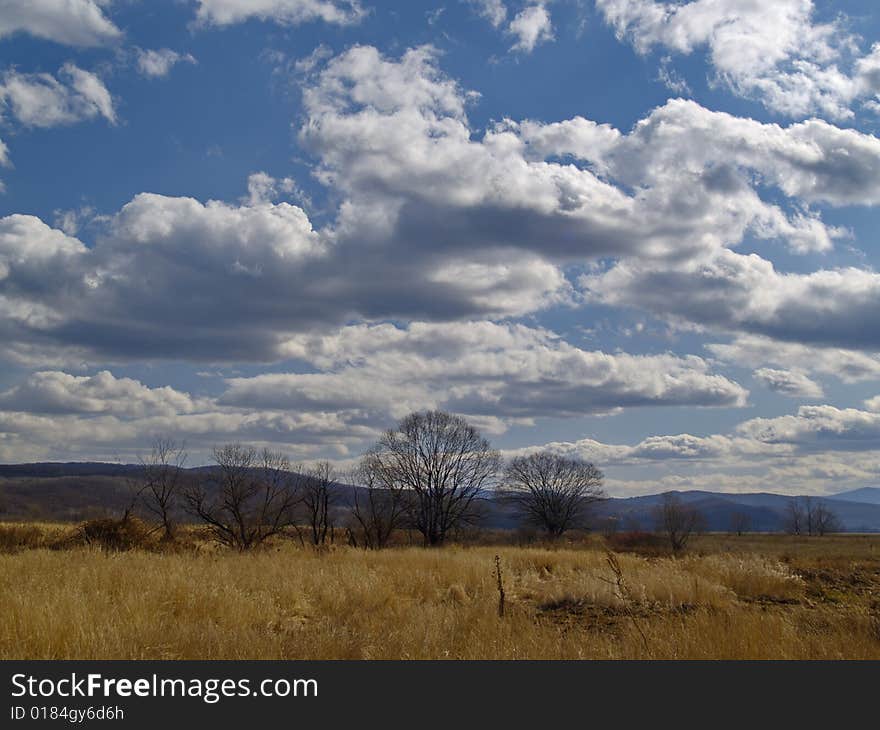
<point x="500" y="578"/>
<point x="621" y="590"/>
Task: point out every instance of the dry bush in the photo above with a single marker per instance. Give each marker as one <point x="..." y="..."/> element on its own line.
<point x="636" y="541"/>
<point x="112" y="534"/>
<point x="15" y="538"/>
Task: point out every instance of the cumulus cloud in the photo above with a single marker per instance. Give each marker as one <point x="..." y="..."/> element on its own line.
<point x="531" y="26"/>
<point x="681" y="447"/>
<point x="58" y="392"/>
<point x="439" y="222"/>
<point x="772" y="51"/>
<point x="849" y="366"/>
<point x="477" y="368"/>
<point x="43" y="100"/>
<point x="817" y="428"/>
<point x="29" y="250"/>
<point x="394" y="137"/>
<point x="159" y="62"/>
<point x="53" y="414"/>
<point x="793" y="383"/>
<point x="356" y="382"/>
<point x="72" y="22"/>
<point x="109" y="437"/>
<point x="817" y="450"/>
<point x="283" y="12"/>
<point x="176" y="278"/>
<point x="813" y="161"/>
<point x="744" y="293"/>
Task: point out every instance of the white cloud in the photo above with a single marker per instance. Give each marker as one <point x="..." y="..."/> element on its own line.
<point x="5" y="161"/>
<point x="263" y="189"/>
<point x="159" y="62"/>
<point x="477" y="368"/>
<point x="108" y="437"/>
<point x="732" y="292"/>
<point x="849" y="366"/>
<point x="43" y="100"/>
<point x="70" y="22"/>
<point x="27" y="246"/>
<point x="57" y="415"/>
<point x="495" y="11"/>
<point x="531" y="26"/>
<point x="70" y="221"/>
<point x="793" y="383"/>
<point x="393" y="136"/>
<point x="681" y="447"/>
<point x="173" y="277"/>
<point x="671" y="79"/>
<point x="812" y="161"/>
<point x="818" y="428"/>
<point x="284" y="12"/>
<point x="438" y="222"/>
<point x="818" y="450"/>
<point x="59" y="392"/>
<point x="772" y="51"/>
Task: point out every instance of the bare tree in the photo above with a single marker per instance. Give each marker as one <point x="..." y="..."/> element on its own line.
<point x="319" y="493"/>
<point x="740" y="522"/>
<point x="249" y="497"/>
<point x="379" y="503"/>
<point x="552" y="492"/>
<point x="806" y="516"/>
<point x="444" y="463"/>
<point x="795" y="518"/>
<point x="824" y="521"/>
<point x="677" y="520"/>
<point x="162" y="475"/>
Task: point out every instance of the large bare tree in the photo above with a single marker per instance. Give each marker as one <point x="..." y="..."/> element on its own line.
<point x="163" y="475"/>
<point x="249" y="497"/>
<point x="551" y="491"/>
<point x="444" y="464"/>
<point x="379" y="503"/>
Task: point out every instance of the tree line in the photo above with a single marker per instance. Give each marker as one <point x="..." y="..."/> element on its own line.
<point x="429" y="474"/>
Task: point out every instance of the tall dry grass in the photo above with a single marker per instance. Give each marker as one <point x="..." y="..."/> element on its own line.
<point x="412" y="603"/>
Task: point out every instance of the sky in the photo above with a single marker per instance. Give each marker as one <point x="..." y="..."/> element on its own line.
<point x="639" y="232"/>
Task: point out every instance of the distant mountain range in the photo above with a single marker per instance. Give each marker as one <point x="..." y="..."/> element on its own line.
<point x="865" y="495"/>
<point x="79" y="490"/>
<point x="858" y="511"/>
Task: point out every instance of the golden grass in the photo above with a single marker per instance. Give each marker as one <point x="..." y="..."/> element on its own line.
<point x="751" y="602"/>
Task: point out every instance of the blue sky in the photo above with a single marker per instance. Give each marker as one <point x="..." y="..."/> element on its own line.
<point x="636" y="231"/>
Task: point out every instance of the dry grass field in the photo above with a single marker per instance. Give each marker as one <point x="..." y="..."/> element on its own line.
<point x="750" y="597"/>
